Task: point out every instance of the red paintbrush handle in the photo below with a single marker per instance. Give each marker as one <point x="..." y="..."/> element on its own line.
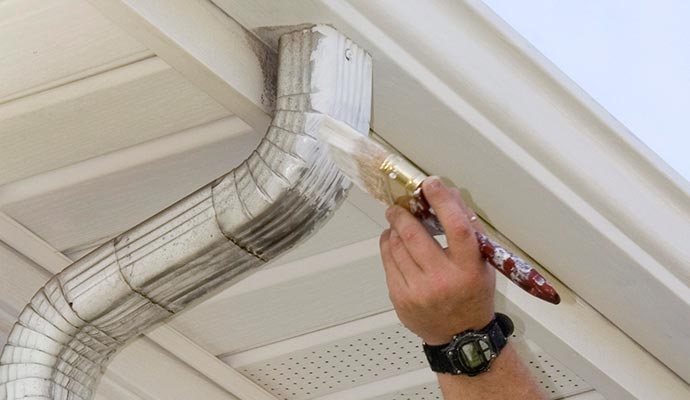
<point x="517" y="270"/>
<point x="513" y="267"/>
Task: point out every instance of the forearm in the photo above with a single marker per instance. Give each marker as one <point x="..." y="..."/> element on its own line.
<point x="508" y="378"/>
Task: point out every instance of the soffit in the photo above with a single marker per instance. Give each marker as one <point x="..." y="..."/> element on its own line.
<point x="60" y="41"/>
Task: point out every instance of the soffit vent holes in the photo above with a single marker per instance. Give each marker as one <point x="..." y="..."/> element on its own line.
<point x="379" y="354"/>
<point x="556" y="380"/>
<point x="424" y="392"/>
<point x="340" y="365"/>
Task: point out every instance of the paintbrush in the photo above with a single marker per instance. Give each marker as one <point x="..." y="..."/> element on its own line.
<point x="392" y="179"/>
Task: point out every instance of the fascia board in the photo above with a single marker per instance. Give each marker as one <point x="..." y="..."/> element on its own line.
<point x="463" y="96"/>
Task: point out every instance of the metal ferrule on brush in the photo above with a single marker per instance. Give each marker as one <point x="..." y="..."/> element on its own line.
<point x="404" y="177"/>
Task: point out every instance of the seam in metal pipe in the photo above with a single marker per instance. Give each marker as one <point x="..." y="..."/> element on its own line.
<point x="288" y="187"/>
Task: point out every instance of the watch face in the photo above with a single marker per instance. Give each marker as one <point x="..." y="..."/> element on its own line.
<point x="473" y="354"/>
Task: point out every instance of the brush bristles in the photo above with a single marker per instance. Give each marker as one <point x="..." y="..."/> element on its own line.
<point x="358" y="157"/>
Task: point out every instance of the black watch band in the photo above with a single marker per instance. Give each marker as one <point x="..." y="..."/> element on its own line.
<point x="471" y="352"/>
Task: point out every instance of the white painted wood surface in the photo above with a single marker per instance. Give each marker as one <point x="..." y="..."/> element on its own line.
<point x="20" y="280"/>
<point x="326" y="290"/>
<point x="222" y="59"/>
<point x="111" y="390"/>
<point x="87" y="202"/>
<point x="49" y="43"/>
<point x="207" y="364"/>
<point x="96" y="115"/>
<point x="334" y="333"/>
<point x="379" y="389"/>
<point x="348" y="226"/>
<point x="152" y="372"/>
<point x="12" y="232"/>
<point x="551" y="170"/>
<point x="591" y="395"/>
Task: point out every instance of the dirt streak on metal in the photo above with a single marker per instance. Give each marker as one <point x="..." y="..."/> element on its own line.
<point x="268" y="61"/>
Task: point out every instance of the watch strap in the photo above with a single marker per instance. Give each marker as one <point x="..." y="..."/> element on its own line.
<point x="438" y="360"/>
<point x="500" y="331"/>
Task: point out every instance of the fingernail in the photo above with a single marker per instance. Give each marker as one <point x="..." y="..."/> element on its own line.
<point x="433" y="182"/>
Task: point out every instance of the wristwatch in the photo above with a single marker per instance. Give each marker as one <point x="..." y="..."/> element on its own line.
<point x="471" y="352"/>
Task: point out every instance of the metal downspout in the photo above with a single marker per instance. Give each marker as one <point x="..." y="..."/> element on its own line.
<point x="288" y="187"/>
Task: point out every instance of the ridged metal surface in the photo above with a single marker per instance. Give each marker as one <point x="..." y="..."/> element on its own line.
<point x="283" y="192"/>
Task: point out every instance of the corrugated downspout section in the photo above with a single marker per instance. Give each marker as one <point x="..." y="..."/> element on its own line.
<point x="287" y="188"/>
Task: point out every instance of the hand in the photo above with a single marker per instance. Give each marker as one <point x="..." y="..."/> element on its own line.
<point x="437" y="292"/>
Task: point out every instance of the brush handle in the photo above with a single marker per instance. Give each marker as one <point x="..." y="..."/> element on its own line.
<point x="513" y="267"/>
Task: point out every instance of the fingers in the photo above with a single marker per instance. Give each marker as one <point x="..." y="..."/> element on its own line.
<point x="450" y="210"/>
<point x="469" y="212"/>
<point x="406" y="264"/>
<point x="424" y="251"/>
<point x="394" y="278"/>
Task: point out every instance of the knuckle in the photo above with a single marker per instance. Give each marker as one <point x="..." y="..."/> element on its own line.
<point x="474" y="275"/>
<point x="426" y="301"/>
<point x="442" y="286"/>
<point x="458" y="224"/>
<point x="395" y="240"/>
<point x="409" y="233"/>
<point x="400" y="301"/>
<point x="394" y="296"/>
<point x="424" y="298"/>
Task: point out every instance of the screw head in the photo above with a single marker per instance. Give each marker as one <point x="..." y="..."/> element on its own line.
<point x="348" y="54"/>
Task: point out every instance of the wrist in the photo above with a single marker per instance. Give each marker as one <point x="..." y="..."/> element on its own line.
<point x="443" y="336"/>
<point x="437" y="340"/>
